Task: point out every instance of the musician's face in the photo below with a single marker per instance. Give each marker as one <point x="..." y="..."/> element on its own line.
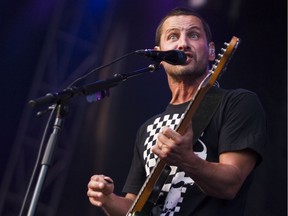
<point x="186" y="33"/>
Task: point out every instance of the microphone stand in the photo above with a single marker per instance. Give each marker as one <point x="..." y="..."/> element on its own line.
<point x="48" y="155"/>
<point x="100" y="86"/>
<point x="61" y="99"/>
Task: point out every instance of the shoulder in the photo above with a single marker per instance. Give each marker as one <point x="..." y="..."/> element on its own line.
<point x="240" y="98"/>
<point x="241" y="106"/>
<point x="243" y="120"/>
<point x="236" y="93"/>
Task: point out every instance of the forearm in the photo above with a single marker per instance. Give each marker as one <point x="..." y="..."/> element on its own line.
<point x="222" y="179"/>
<point x="117" y="205"/>
<point x="215" y="179"/>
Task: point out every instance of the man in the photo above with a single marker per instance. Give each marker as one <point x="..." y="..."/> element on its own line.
<point x="212" y="176"/>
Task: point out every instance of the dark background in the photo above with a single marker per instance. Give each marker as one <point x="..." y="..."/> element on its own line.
<point x="45" y="45"/>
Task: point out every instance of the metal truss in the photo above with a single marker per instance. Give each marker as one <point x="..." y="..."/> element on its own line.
<point x="59" y="63"/>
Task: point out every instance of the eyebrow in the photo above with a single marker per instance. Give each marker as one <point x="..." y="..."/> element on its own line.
<point x="189" y="29"/>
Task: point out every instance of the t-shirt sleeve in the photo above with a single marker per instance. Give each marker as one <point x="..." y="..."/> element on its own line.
<point x="136" y="175"/>
<point x="244" y="123"/>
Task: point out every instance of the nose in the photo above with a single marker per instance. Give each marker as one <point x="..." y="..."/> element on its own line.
<point x="183" y="43"/>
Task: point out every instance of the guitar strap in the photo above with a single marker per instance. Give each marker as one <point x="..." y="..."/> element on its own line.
<point x="205" y="111"/>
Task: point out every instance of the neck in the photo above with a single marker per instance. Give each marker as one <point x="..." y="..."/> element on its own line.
<point x="183" y="90"/>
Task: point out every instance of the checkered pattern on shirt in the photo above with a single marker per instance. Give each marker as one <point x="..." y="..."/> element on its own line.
<point x="171" y="120"/>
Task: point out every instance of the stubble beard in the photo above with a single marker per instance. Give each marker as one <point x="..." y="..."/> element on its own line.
<point x="180" y="73"/>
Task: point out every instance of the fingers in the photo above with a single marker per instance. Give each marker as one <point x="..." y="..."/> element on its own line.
<point x="170" y="137"/>
<point x="99" y="188"/>
<point x="101" y="179"/>
<point x="167" y="138"/>
<point x="171" y="145"/>
<point x="96" y="182"/>
<point x="102" y="184"/>
<point x="108" y="179"/>
<point x="96" y="198"/>
<point x="165" y="142"/>
<point x="168" y="134"/>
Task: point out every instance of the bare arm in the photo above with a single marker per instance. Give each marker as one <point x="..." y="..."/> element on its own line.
<point x="222" y="180"/>
<point x="100" y="193"/>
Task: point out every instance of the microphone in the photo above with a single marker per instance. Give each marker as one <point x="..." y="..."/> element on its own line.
<point x="174" y="57"/>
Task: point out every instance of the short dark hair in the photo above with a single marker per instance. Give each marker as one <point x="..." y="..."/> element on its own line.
<point x="182" y="11"/>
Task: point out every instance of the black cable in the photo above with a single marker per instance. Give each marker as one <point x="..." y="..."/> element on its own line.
<point x="99" y="68"/>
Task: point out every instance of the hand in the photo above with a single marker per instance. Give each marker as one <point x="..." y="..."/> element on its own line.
<point x="100" y="187"/>
<point x="174" y="148"/>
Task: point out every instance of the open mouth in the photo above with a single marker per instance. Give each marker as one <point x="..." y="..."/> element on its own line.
<point x="189" y="56"/>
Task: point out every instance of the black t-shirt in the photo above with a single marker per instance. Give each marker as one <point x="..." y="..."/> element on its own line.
<point x="238" y="123"/>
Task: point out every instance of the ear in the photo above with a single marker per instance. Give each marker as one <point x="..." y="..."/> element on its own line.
<point x="211" y="51"/>
<point x="157" y="48"/>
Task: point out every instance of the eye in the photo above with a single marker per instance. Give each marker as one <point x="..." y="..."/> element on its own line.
<point x="194" y="35"/>
<point x="172" y="37"/>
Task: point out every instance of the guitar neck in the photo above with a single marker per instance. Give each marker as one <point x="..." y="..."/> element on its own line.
<point x="193" y="105"/>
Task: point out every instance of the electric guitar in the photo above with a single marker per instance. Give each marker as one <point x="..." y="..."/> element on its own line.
<point x="149" y="193"/>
